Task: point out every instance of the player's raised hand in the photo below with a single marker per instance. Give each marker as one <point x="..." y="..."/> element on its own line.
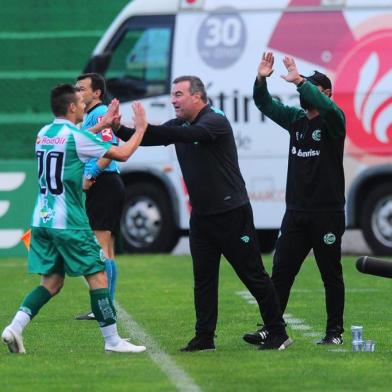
<point x="293" y="75"/>
<point x="112" y="117"/>
<point x="139" y="118"/>
<point x="265" y="68"/>
<point x="113" y="107"/>
<point x="116" y="121"/>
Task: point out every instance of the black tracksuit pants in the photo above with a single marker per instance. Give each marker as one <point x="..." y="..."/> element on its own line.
<point x="232" y="234"/>
<point x="321" y="231"/>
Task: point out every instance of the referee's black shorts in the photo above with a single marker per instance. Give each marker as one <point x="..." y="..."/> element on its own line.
<point x="104" y="202"/>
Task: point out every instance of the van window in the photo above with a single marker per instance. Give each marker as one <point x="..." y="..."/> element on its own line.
<point x="140" y="62"/>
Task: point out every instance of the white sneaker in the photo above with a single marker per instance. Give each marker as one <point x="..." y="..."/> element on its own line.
<point x="13" y="340"/>
<point x="124" y="347"/>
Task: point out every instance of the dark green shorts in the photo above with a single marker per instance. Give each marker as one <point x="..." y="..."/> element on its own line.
<point x="71" y="252"/>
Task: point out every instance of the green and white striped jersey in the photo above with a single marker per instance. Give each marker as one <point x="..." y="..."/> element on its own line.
<point x="62" y="150"/>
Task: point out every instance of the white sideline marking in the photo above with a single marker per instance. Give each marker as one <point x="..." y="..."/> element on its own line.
<point x="363" y="290"/>
<point x="176" y="375"/>
<point x="294" y="323"/>
<point x="299" y="325"/>
<point x="313" y="334"/>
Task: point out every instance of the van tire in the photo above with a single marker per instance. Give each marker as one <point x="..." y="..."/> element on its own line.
<point x="267" y="240"/>
<point x="147" y="222"/>
<point x="376" y="219"/>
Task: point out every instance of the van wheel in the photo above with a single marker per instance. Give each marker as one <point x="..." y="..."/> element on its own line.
<point x="267" y="240"/>
<point x="147" y="222"/>
<point x="376" y="220"/>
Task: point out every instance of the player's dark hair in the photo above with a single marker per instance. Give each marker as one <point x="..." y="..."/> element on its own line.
<point x="97" y="82"/>
<point x="60" y="98"/>
<point x="196" y="85"/>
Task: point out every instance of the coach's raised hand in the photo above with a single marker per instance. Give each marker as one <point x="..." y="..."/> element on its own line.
<point x="139" y="117"/>
<point x="265" y="68"/>
<point x="293" y="75"/>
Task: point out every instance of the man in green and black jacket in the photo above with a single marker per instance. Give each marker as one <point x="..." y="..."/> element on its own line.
<point x="314" y="217"/>
<point x="221" y="221"/>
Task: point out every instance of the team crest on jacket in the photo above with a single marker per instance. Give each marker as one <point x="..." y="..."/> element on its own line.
<point x="316" y="135"/>
<point x="329" y="238"/>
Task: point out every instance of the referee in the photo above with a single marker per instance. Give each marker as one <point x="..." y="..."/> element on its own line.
<point x="221" y="220"/>
<point x="314" y="217"/>
<point x="105" y="195"/>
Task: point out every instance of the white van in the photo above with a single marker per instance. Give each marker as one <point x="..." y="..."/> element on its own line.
<point x="151" y="42"/>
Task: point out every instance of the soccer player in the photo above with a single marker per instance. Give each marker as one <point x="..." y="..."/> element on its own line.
<point x="105" y="193"/>
<point x="62" y="241"/>
<point x="314" y="217"/>
<point x="221" y="220"/>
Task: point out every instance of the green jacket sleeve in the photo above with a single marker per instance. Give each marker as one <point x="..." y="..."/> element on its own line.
<point x="273" y="108"/>
<point x="329" y="111"/>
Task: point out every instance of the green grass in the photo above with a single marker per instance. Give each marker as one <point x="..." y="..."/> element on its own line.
<point x="157" y="291"/>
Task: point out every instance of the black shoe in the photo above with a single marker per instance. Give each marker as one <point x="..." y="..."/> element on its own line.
<point x="86" y="316"/>
<point x="257" y="337"/>
<point x="199" y="343"/>
<point x="276" y="342"/>
<point x="331" y="338"/>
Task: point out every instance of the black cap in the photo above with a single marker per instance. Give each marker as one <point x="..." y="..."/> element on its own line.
<point x="319" y="79"/>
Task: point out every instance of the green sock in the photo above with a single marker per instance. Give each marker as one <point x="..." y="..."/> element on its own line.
<point x="102" y="307"/>
<point x="35" y="300"/>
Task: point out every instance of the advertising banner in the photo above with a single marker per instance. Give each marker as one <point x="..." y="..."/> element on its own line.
<point x="18" y="189"/>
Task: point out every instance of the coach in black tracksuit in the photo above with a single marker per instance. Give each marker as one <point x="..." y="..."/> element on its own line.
<point x="314" y="217"/>
<point x="221" y="220"/>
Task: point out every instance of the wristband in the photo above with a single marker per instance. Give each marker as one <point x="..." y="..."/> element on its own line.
<point x="92" y="170"/>
<point x="300" y="84"/>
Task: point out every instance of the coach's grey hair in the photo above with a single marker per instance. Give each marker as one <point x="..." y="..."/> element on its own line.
<point x="196" y="85"/>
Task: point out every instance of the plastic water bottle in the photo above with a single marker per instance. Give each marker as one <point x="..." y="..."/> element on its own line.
<point x="368" y="346"/>
<point x="357" y="332"/>
<point x="357" y="337"/>
<point x="358" y="345"/>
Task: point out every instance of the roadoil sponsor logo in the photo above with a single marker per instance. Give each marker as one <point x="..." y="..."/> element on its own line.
<point x="58" y="140"/>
